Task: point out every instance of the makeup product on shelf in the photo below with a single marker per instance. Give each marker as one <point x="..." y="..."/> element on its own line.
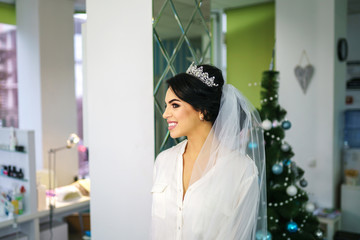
<point x="13" y="140"/>
<point x="20" y="174"/>
<point x="2" y="205"/>
<point x="13" y="172"/>
<point x="20" y="199"/>
<point x="9" y="170"/>
<point x="19" y="148"/>
<point x="4" y="170"/>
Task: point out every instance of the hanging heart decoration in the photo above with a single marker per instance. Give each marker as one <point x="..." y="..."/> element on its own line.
<point x="304" y="75"/>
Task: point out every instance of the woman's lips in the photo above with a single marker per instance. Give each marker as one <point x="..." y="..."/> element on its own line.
<point x="172" y="125"/>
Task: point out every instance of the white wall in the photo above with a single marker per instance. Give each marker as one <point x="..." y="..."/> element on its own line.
<point x="120" y="117"/>
<point x="46" y="80"/>
<point x="29" y="77"/>
<point x="313" y="26"/>
<point x="353" y="36"/>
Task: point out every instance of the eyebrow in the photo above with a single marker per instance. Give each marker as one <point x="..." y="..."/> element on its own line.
<point x="173" y="100"/>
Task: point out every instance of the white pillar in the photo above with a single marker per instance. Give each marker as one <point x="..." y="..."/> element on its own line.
<point x="120" y="117"/>
<point x="46" y="79"/>
<point x="313" y="26"/>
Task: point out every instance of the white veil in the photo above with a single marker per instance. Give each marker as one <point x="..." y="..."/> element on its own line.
<point x="234" y="152"/>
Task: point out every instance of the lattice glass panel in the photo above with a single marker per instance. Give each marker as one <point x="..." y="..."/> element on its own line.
<point x="181" y="36"/>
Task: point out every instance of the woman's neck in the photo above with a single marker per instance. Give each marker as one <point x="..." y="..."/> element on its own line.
<point x="193" y="147"/>
<point x="196" y="141"/>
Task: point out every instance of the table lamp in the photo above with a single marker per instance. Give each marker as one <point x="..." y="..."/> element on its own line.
<point x="70" y="142"/>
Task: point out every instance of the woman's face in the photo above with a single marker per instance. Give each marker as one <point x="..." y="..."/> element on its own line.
<point x="181" y="117"/>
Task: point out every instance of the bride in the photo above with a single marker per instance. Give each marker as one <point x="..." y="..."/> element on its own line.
<point x="212" y="185"/>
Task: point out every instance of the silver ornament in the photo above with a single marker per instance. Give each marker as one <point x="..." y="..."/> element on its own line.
<point x="303" y="182"/>
<point x="285" y="147"/>
<point x="291" y="190"/>
<point x="319" y="234"/>
<point x="266" y="124"/>
<point x="310" y="207"/>
<point x="277" y="169"/>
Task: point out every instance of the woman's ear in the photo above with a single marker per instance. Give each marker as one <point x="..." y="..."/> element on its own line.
<point x="201" y="116"/>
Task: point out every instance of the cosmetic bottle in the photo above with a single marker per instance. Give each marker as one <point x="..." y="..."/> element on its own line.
<point x="17" y="201"/>
<point x="20" y="199"/>
<point x="14" y="202"/>
<point x="20" y="174"/>
<point x="9" y="171"/>
<point x="13" y="172"/>
<point x="3" y="170"/>
<point x="13" y="140"/>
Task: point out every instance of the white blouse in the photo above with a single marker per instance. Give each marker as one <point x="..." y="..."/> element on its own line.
<point x="205" y="213"/>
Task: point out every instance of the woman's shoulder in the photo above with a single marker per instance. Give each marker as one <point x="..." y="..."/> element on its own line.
<point x="241" y="163"/>
<point x="170" y="153"/>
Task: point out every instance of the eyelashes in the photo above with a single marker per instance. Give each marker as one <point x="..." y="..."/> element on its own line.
<point x="174" y="105"/>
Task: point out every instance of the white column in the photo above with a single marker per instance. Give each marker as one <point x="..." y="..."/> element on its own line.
<point x="313" y="26"/>
<point x="120" y="117"/>
<point x="46" y="79"/>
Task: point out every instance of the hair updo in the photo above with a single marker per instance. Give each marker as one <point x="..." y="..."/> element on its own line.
<point x="200" y="96"/>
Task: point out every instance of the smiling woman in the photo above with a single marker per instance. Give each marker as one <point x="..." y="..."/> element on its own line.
<point x="194" y="105"/>
<point x="181" y="117"/>
<point x="209" y="186"/>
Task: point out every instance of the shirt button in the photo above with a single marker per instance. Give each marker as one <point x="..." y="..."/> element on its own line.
<point x="179" y="208"/>
<point x="179" y="228"/>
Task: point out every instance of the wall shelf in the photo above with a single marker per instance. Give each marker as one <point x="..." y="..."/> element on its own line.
<point x="16" y="179"/>
<point x="13" y="151"/>
<point x="25" y="161"/>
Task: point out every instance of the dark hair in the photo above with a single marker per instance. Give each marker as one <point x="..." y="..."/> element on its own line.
<point x="200" y="96"/>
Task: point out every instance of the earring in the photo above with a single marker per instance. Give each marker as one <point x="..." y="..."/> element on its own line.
<point x="201" y="118"/>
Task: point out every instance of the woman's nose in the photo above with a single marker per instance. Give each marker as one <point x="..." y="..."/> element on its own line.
<point x="165" y="114"/>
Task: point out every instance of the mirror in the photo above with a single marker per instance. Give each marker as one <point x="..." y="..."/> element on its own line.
<point x="181" y="31"/>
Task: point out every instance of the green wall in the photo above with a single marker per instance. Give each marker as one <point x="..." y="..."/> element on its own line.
<point x="7" y="14"/>
<point x="250" y="39"/>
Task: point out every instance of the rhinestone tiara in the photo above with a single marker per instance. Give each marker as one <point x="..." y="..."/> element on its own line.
<point x="199" y="73"/>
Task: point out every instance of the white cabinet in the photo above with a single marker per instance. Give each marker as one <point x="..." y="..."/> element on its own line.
<point x="24" y="160"/>
<point x="350" y="208"/>
<point x="29" y="222"/>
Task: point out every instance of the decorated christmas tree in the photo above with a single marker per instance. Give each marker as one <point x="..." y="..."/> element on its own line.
<point x="290" y="214"/>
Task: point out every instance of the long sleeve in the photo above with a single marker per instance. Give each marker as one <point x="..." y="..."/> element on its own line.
<point x="242" y="221"/>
